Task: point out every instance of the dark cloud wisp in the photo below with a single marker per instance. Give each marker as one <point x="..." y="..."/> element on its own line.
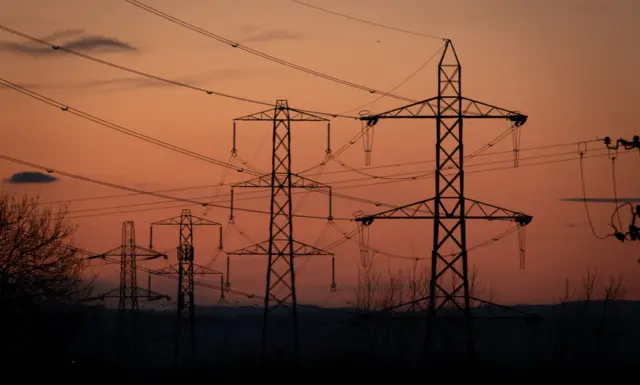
<point x="602" y="200"/>
<point x="277" y="34"/>
<point x="34" y="177"/>
<point x="85" y="43"/>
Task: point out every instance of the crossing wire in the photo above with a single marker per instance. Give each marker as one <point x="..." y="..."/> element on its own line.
<point x="198" y="187"/>
<point x="262" y="54"/>
<point x="338" y="195"/>
<point x="155" y="77"/>
<point x="369" y="22"/>
<point x="122" y="187"/>
<point x="355" y="198"/>
<point x="66" y="108"/>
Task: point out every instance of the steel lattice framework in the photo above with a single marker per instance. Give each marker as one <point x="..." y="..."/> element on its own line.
<point x="185" y="270"/>
<point x="129" y="292"/>
<point x="280" y="331"/>
<point x="449" y="209"/>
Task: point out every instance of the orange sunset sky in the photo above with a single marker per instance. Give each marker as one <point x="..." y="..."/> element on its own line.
<point x="570" y="65"/>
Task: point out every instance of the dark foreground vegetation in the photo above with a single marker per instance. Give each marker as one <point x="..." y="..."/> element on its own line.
<point x="48" y="332"/>
<point x="578" y="338"/>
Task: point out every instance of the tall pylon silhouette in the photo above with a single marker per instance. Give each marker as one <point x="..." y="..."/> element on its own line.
<point x="185" y="270"/>
<point x="280" y="340"/>
<point x="127" y="323"/>
<point x="450" y="208"/>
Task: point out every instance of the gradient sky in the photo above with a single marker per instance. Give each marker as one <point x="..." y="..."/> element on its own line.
<point x="569" y="65"/>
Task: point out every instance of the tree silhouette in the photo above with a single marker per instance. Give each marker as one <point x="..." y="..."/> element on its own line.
<point x="38" y="264"/>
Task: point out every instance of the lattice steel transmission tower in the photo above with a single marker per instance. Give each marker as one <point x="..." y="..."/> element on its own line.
<point x="450" y="208"/>
<point x="129" y="292"/>
<point x="185" y="270"/>
<point x="280" y="331"/>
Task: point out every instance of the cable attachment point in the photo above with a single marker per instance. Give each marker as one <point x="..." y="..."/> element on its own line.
<point x="367" y="135"/>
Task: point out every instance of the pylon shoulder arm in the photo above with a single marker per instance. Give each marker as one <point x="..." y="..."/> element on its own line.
<point x="481" y="210"/>
<point x="168" y="221"/>
<point x="473" y="108"/>
<point x="300" y="181"/>
<point x="108" y="294"/>
<point x="303" y="116"/>
<point x="425" y="209"/>
<point x="262" y="181"/>
<point x="149" y="253"/>
<point x="111" y="252"/>
<point x="294" y="115"/>
<point x="297" y="181"/>
<point x="150" y="294"/>
<point x="420" y="209"/>
<point x="258" y="116"/>
<point x="428" y="109"/>
<point x="200" y="270"/>
<point x="301" y="249"/>
<point x="262" y="248"/>
<point x="169" y="270"/>
<point x="197" y="221"/>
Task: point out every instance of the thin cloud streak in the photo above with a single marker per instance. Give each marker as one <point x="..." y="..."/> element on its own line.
<point x="85" y="43"/>
<point x="130" y="83"/>
<point x="602" y="200"/>
<point x="260" y="35"/>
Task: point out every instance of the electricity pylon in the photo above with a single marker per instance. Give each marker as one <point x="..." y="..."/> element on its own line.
<point x="185" y="270"/>
<point x="129" y="292"/>
<point x="281" y="247"/>
<point x="449" y="209"/>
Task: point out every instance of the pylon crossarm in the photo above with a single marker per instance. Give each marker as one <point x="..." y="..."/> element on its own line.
<point x="481" y="210"/>
<point x="168" y="221"/>
<point x="300" y="249"/>
<point x="420" y="209"/>
<point x="201" y="270"/>
<point x="261" y="248"/>
<point x="297" y="181"/>
<point x="303" y="116"/>
<point x="150" y="295"/>
<point x="295" y="115"/>
<point x="263" y="181"/>
<point x="425" y="209"/>
<point x="258" y="116"/>
<point x="176" y="221"/>
<point x="149" y="253"/>
<point x="108" y="294"/>
<point x="428" y="109"/>
<point x="197" y="221"/>
<point x="110" y="253"/>
<point x="169" y="270"/>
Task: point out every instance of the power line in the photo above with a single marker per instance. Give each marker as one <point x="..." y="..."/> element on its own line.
<point x="121" y="187"/>
<point x="130" y="70"/>
<point x="337" y="195"/>
<point x="155" y="77"/>
<point x="120" y="128"/>
<point x="262" y="54"/>
<point x="369" y="22"/>
<point x="333" y="182"/>
<point x="405" y="80"/>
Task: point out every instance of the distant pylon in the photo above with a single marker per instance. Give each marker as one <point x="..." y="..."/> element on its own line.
<point x="450" y="209"/>
<point x="129" y="292"/>
<point x="280" y="339"/>
<point x="185" y="270"/>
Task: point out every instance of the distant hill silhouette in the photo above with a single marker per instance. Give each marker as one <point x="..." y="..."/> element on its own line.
<point x="582" y="334"/>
